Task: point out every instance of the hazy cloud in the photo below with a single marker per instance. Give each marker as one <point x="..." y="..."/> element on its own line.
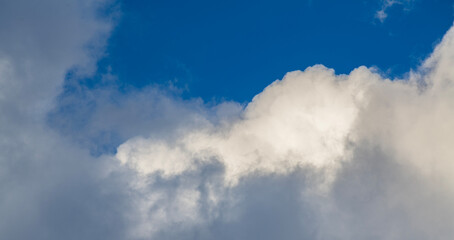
<point x="50" y="189"/>
<point x="382" y="14"/>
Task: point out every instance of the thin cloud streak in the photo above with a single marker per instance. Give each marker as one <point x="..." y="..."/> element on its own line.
<point x="382" y="14"/>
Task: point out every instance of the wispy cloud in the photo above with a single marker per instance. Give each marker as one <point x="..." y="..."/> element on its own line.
<point x="382" y="14"/>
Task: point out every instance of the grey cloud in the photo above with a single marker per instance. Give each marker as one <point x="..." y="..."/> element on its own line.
<point x="40" y="42"/>
<point x="50" y="189"/>
<point x="103" y="117"/>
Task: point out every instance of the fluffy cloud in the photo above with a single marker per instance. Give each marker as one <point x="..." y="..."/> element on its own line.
<point x="302" y="120"/>
<point x="314" y="156"/>
<point x="360" y="156"/>
<point x="50" y="188"/>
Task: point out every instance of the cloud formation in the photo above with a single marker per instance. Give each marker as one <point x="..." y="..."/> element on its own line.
<point x="315" y="155"/>
<point x="50" y="188"/>
<point x="370" y="157"/>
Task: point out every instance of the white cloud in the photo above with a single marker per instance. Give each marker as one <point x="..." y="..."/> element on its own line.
<point x="373" y="154"/>
<point x="302" y="120"/>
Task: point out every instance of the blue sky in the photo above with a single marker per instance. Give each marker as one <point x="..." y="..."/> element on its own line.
<point x="232" y="50"/>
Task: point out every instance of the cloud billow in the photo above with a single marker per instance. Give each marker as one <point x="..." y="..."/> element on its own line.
<point x="315" y="155"/>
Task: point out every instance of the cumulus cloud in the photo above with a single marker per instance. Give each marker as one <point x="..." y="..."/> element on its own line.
<point x="315" y="155"/>
<point x="302" y="120"/>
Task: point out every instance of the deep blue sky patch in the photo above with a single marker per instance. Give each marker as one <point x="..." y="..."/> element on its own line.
<point x="233" y="49"/>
